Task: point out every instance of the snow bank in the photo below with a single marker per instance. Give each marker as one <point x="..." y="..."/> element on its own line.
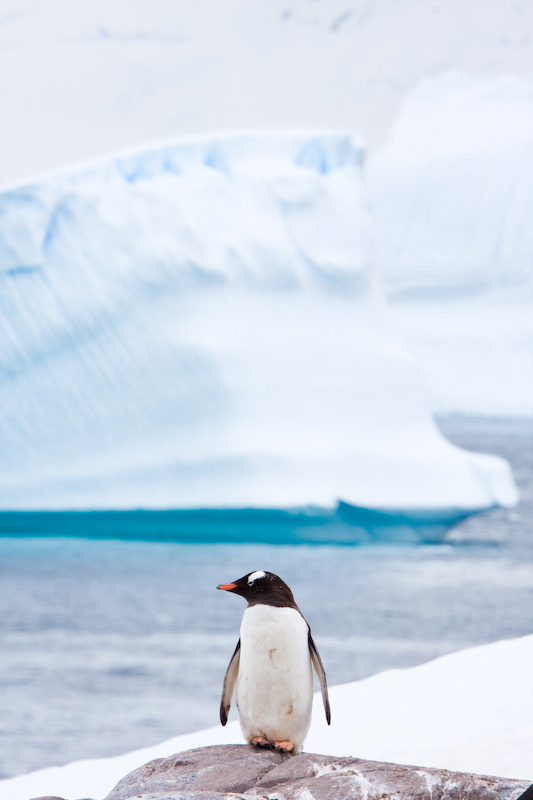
<point x="454" y="232"/>
<point x="469" y="711"/>
<point x="199" y="324"/>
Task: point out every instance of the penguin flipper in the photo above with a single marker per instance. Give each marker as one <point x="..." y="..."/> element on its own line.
<point x="229" y="683"/>
<point x="320" y="671"/>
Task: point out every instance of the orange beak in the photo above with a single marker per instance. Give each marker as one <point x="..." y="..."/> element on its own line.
<point x="227" y="586"/>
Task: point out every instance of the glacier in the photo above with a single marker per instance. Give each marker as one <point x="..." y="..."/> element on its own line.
<point x="454" y="236"/>
<point x="199" y="323"/>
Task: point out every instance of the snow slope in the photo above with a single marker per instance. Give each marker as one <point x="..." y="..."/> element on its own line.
<point x="80" y="79"/>
<point x="200" y="324"/>
<point x="469" y="711"/>
<point x="451" y="196"/>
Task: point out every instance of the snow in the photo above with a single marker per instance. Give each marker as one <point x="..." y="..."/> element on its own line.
<point x="201" y="324"/>
<point x="469" y="711"/>
<point x="454" y="233"/>
<point x="80" y="79"/>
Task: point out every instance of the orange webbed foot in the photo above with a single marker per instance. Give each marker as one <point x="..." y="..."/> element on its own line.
<point x="260" y="741"/>
<point x="284" y="747"/>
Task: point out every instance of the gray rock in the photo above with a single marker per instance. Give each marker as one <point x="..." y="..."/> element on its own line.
<point x="242" y="772"/>
<point x="190" y="796"/>
<point x="48" y="797"/>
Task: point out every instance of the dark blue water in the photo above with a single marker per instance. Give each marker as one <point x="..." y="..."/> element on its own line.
<point x="109" y="645"/>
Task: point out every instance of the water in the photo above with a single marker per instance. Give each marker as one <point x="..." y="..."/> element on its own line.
<point x="345" y="524"/>
<point x="111" y="645"/>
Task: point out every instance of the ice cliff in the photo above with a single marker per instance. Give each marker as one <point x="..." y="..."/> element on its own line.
<point x="200" y="324"/>
<point x="451" y="194"/>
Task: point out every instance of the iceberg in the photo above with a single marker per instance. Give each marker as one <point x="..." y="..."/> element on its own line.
<point x="454" y="239"/>
<point x="200" y="324"/>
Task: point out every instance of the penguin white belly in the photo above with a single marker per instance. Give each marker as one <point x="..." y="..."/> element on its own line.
<point x="274" y="689"/>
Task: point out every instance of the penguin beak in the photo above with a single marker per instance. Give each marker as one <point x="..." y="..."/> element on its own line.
<point x="227" y="587"/>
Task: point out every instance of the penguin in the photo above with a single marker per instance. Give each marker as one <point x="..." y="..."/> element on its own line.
<point x="271" y="669"/>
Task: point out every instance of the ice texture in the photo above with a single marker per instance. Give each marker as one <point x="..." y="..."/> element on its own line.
<point x="200" y="324"/>
<point x="451" y="195"/>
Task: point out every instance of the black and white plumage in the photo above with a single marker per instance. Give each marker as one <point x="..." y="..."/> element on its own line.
<point x="271" y="670"/>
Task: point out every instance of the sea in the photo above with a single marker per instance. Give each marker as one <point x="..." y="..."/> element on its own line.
<point x="112" y="639"/>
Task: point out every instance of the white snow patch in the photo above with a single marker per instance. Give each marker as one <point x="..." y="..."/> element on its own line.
<point x="301" y="794"/>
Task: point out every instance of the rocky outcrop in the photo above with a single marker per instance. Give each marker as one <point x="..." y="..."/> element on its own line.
<point x="241" y="772"/>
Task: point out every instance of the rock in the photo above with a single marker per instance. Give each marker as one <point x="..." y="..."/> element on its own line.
<point x="49" y="797"/>
<point x="242" y="772"/>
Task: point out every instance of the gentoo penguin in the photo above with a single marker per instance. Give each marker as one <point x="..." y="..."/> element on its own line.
<point x="271" y="668"/>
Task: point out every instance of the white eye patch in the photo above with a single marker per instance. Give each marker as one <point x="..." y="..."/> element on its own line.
<point x="254" y="576"/>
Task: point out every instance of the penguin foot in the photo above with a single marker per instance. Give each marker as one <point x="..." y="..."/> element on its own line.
<point x="284" y="747"/>
<point x="281" y="747"/>
<point x="260" y="741"/>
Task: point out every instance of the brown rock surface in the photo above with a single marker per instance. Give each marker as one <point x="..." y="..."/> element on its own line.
<point x="241" y="772"/>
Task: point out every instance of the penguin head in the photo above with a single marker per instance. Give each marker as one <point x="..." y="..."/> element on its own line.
<point x="261" y="588"/>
